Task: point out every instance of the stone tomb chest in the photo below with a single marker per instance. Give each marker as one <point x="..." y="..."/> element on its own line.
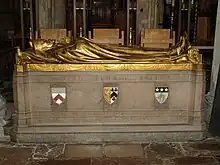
<point x="108" y="102"/>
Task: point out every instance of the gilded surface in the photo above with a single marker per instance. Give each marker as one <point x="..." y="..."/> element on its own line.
<point x="107" y="94"/>
<point x="63" y="55"/>
<point x="106" y="67"/>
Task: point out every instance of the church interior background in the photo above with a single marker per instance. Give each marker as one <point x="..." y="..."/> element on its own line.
<point x="104" y="107"/>
<point x="80" y="17"/>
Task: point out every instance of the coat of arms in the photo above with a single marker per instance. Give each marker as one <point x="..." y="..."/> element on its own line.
<point x="161" y="94"/>
<point x="110" y="94"/>
<point x="58" y="95"/>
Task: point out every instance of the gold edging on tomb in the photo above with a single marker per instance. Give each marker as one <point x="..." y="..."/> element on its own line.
<point x="19" y="68"/>
<point x="106" y="67"/>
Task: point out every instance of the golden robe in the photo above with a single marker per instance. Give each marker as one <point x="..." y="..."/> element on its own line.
<point x="86" y="51"/>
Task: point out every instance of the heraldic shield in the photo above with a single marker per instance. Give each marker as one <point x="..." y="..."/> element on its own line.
<point x="161" y="94"/>
<point x="58" y="95"/>
<point x="110" y="94"/>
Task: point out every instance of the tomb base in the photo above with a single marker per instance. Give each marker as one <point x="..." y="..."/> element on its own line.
<point x="94" y="105"/>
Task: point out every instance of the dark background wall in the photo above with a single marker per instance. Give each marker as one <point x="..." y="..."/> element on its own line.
<point x="9" y="26"/>
<point x="9" y="20"/>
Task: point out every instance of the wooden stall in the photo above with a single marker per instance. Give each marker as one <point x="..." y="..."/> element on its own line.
<point x="157" y="38"/>
<point x="107" y="35"/>
<point x="53" y="33"/>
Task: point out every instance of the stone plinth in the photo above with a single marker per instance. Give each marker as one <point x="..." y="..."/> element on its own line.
<point x="85" y="117"/>
<point x="3" y="137"/>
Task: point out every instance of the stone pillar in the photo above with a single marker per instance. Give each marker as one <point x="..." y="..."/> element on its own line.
<point x="59" y="14"/>
<point x="215" y="68"/>
<point x="149" y="13"/>
<point x="51" y="14"/>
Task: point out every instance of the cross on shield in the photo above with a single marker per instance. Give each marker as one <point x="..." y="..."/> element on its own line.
<point x="110" y="94"/>
<point x="161" y="94"/>
<point x="58" y="95"/>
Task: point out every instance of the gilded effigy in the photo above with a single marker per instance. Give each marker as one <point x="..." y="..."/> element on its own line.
<point x="70" y="90"/>
<point x="84" y="51"/>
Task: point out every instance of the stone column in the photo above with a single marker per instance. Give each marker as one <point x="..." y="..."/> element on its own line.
<point x="59" y="14"/>
<point x="149" y="13"/>
<point x="215" y="68"/>
<point x="51" y="14"/>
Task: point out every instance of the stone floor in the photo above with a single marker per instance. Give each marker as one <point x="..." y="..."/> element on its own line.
<point x="206" y="152"/>
<point x="200" y="153"/>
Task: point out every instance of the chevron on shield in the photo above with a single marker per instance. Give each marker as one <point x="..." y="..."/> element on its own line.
<point x="58" y="95"/>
